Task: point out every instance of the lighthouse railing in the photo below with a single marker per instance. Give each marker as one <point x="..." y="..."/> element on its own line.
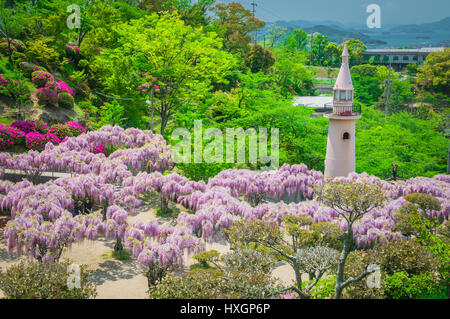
<point x="344" y="110"/>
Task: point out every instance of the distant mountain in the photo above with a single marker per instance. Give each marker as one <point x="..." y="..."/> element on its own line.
<point x="442" y="25"/>
<point x="338" y="35"/>
<point x="388" y="36"/>
<point x="335" y="31"/>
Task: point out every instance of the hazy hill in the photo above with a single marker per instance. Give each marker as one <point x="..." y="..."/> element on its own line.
<point x="442" y="25"/>
<point x="389" y="35"/>
<point x="338" y="35"/>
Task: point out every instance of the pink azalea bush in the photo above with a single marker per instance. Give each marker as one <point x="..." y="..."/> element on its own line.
<point x="41" y="127"/>
<point x="72" y="50"/>
<point x="46" y="96"/>
<point x="24" y="126"/>
<point x="37" y="141"/>
<point x="35" y="134"/>
<point x="69" y="129"/>
<point x="76" y="128"/>
<point x="60" y="87"/>
<point x="40" y="78"/>
<point x="10" y="136"/>
<point x="30" y="126"/>
<point x="98" y="148"/>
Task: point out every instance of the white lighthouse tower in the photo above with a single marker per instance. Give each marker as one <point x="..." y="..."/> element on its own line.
<point x="340" y="158"/>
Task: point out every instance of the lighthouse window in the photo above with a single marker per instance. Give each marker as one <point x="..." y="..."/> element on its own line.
<point x="342" y="97"/>
<point x="335" y="94"/>
<point x="349" y="95"/>
<point x="346" y="136"/>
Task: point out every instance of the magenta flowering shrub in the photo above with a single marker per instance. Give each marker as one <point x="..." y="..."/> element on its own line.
<point x="60" y="87"/>
<point x="12" y="88"/>
<point x="30" y="126"/>
<point x="40" y="127"/>
<point x="24" y="126"/>
<point x="46" y="97"/>
<point x="69" y="129"/>
<point x="5" y="85"/>
<point x="98" y="148"/>
<point x="76" y="128"/>
<point x="40" y="78"/>
<point x="72" y="51"/>
<point x="10" y="136"/>
<point x="37" y="141"/>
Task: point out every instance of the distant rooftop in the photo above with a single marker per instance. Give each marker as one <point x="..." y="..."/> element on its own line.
<point x="314" y="101"/>
<point x="417" y="50"/>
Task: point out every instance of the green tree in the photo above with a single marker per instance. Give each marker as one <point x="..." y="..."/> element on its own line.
<point x="274" y="34"/>
<point x="259" y="59"/>
<point x="352" y="200"/>
<point x="435" y="73"/>
<point x="333" y="55"/>
<point x="319" y="43"/>
<point x="112" y="114"/>
<point x="184" y="59"/>
<point x="355" y="50"/>
<point x="11" y="23"/>
<point x="296" y="40"/>
<point x="291" y="74"/>
<point x="235" y="24"/>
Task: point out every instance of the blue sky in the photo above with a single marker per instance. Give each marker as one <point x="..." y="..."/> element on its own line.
<point x="350" y="11"/>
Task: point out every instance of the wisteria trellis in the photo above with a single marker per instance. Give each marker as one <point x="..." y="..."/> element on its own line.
<point x="42" y="223"/>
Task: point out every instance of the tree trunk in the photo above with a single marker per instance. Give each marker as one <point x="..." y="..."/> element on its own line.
<point x="118" y="247"/>
<point x="348" y="238"/>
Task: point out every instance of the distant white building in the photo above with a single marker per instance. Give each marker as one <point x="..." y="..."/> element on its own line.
<point x="340" y="157"/>
<point x="399" y="58"/>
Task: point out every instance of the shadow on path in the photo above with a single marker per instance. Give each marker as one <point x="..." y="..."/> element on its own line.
<point x="113" y="270"/>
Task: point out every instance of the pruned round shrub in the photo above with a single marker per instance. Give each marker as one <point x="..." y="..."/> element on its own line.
<point x="36" y="280"/>
<point x="16" y="45"/>
<point x="30" y="126"/>
<point x="194" y="285"/>
<point x="36" y="141"/>
<point x="40" y="78"/>
<point x="10" y="136"/>
<point x="65" y="100"/>
<point x="405" y="255"/>
<point x="46" y="97"/>
<point x="424" y="201"/>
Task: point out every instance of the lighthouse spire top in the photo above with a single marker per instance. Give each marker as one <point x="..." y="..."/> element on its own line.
<point x="344" y="79"/>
